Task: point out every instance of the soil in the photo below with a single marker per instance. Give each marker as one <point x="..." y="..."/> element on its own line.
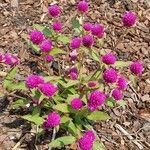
<point x="16" y="20"/>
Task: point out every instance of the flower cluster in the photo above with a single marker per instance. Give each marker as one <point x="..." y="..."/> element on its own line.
<point x="86" y="142"/>
<point x="35" y="81"/>
<point x="9" y="59"/>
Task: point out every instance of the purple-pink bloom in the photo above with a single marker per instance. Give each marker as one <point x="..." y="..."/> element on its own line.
<point x="117" y="94"/>
<point x="87" y="26"/>
<point x="109" y="58"/>
<point x="52" y="120"/>
<point x="73" y="73"/>
<point x="110" y="75"/>
<point x="96" y="99"/>
<point x="88" y="40"/>
<point x="92" y="83"/>
<point x="76" y="103"/>
<point x="33" y="81"/>
<point x="122" y="83"/>
<point x="10" y="59"/>
<point x="73" y="55"/>
<point x="49" y="58"/>
<point x="36" y="37"/>
<point x="57" y="26"/>
<point x="129" y="19"/>
<point x="98" y="30"/>
<point x="83" y="6"/>
<point x="46" y="46"/>
<point x="136" y="68"/>
<point x="54" y="10"/>
<point x="48" y="89"/>
<point x="86" y="142"/>
<point x="75" y="43"/>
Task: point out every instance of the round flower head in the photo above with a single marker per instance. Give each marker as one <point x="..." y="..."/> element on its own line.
<point x="76" y="103"/>
<point x="85" y="143"/>
<point x="73" y="55"/>
<point x="96" y="99"/>
<point x="73" y="73"/>
<point x="36" y="37"/>
<point x="57" y="26"/>
<point x="90" y="135"/>
<point x="48" y="89"/>
<point x="49" y="58"/>
<point x="92" y="83"/>
<point x="46" y="46"/>
<point x="136" y="68"/>
<point x="88" y="40"/>
<point x="109" y="58"/>
<point x="32" y="81"/>
<point x="129" y="19"/>
<point x="122" y="83"/>
<point x="53" y="120"/>
<point x="110" y="75"/>
<point x="98" y="30"/>
<point x="87" y="26"/>
<point x="10" y="59"/>
<point x="117" y="94"/>
<point x="83" y="6"/>
<point x="54" y="10"/>
<point x="75" y="43"/>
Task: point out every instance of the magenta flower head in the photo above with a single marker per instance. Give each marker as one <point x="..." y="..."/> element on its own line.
<point x="33" y="81"/>
<point x="76" y="103"/>
<point x="36" y="37"/>
<point x="92" y="83"/>
<point x="73" y="73"/>
<point x="73" y="55"/>
<point x="136" y="68"/>
<point x="54" y="10"/>
<point x="96" y="99"/>
<point x="75" y="43"/>
<point x="109" y="58"/>
<point x="10" y="59"/>
<point x="87" y="26"/>
<point x="49" y="58"/>
<point x="52" y="120"/>
<point x="48" y="89"/>
<point x="88" y="40"/>
<point x="122" y="83"/>
<point x="129" y="19"/>
<point x="83" y="6"/>
<point x="98" y="30"/>
<point x="117" y="94"/>
<point x="90" y="135"/>
<point x="57" y="26"/>
<point x="86" y="142"/>
<point x="110" y="75"/>
<point x="46" y="46"/>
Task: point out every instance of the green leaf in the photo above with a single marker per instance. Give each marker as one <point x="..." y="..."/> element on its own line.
<point x="110" y="102"/>
<point x="43" y="29"/>
<point x="98" y="146"/>
<point x="75" y="23"/>
<point x="98" y="116"/>
<point x="64" y="39"/>
<point x="65" y="108"/>
<point x="62" y="141"/>
<point x="56" y="51"/>
<point x="69" y="83"/>
<point x="19" y="86"/>
<point x="122" y="103"/>
<point x="7" y="83"/>
<point x="65" y="119"/>
<point x="120" y="64"/>
<point x="20" y="103"/>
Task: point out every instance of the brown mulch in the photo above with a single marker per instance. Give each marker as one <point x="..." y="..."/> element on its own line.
<point x="16" y="20"/>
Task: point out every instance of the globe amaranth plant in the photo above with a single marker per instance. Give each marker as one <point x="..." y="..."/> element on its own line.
<point x="75" y="98"/>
